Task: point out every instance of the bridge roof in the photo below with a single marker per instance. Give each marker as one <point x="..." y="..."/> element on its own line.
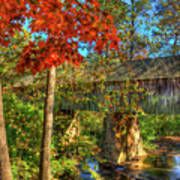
<point x="166" y="67"/>
<point x="151" y="68"/>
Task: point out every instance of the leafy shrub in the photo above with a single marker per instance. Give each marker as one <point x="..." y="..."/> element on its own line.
<point x="158" y="125"/>
<point x="24" y="129"/>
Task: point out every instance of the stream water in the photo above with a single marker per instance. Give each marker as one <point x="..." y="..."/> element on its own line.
<point x="164" y="165"/>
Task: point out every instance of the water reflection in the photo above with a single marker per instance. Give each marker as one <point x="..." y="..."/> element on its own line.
<point x="176" y="169"/>
<point x="94" y="165"/>
<point x="165" y="166"/>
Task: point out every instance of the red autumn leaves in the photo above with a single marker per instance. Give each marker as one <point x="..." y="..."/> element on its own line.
<point x="10" y="16"/>
<point x="61" y="22"/>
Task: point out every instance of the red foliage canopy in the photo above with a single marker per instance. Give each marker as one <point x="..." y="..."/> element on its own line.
<point x="62" y="21"/>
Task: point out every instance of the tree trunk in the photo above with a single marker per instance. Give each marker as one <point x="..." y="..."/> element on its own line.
<point x="47" y="126"/>
<point x="5" y="167"/>
<point x="127" y="146"/>
<point x="175" y="47"/>
<point x="132" y="31"/>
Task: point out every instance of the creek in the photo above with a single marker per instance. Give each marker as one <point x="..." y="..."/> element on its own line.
<point x="161" y="164"/>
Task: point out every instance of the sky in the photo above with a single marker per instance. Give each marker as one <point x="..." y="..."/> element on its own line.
<point x="83" y="47"/>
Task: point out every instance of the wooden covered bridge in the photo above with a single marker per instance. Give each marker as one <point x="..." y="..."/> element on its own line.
<point x="159" y="76"/>
<point x="84" y="88"/>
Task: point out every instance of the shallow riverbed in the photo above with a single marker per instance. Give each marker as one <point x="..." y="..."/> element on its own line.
<point x="163" y="164"/>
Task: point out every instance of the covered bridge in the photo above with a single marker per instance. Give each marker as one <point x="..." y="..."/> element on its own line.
<point x="84" y="88"/>
<point x="159" y="76"/>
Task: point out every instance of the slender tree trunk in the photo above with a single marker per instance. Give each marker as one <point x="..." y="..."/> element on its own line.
<point x="132" y="31"/>
<point x="5" y="167"/>
<point x="47" y="126"/>
<point x="174" y="47"/>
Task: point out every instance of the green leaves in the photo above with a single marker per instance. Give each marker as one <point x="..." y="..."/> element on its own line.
<point x="9" y="56"/>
